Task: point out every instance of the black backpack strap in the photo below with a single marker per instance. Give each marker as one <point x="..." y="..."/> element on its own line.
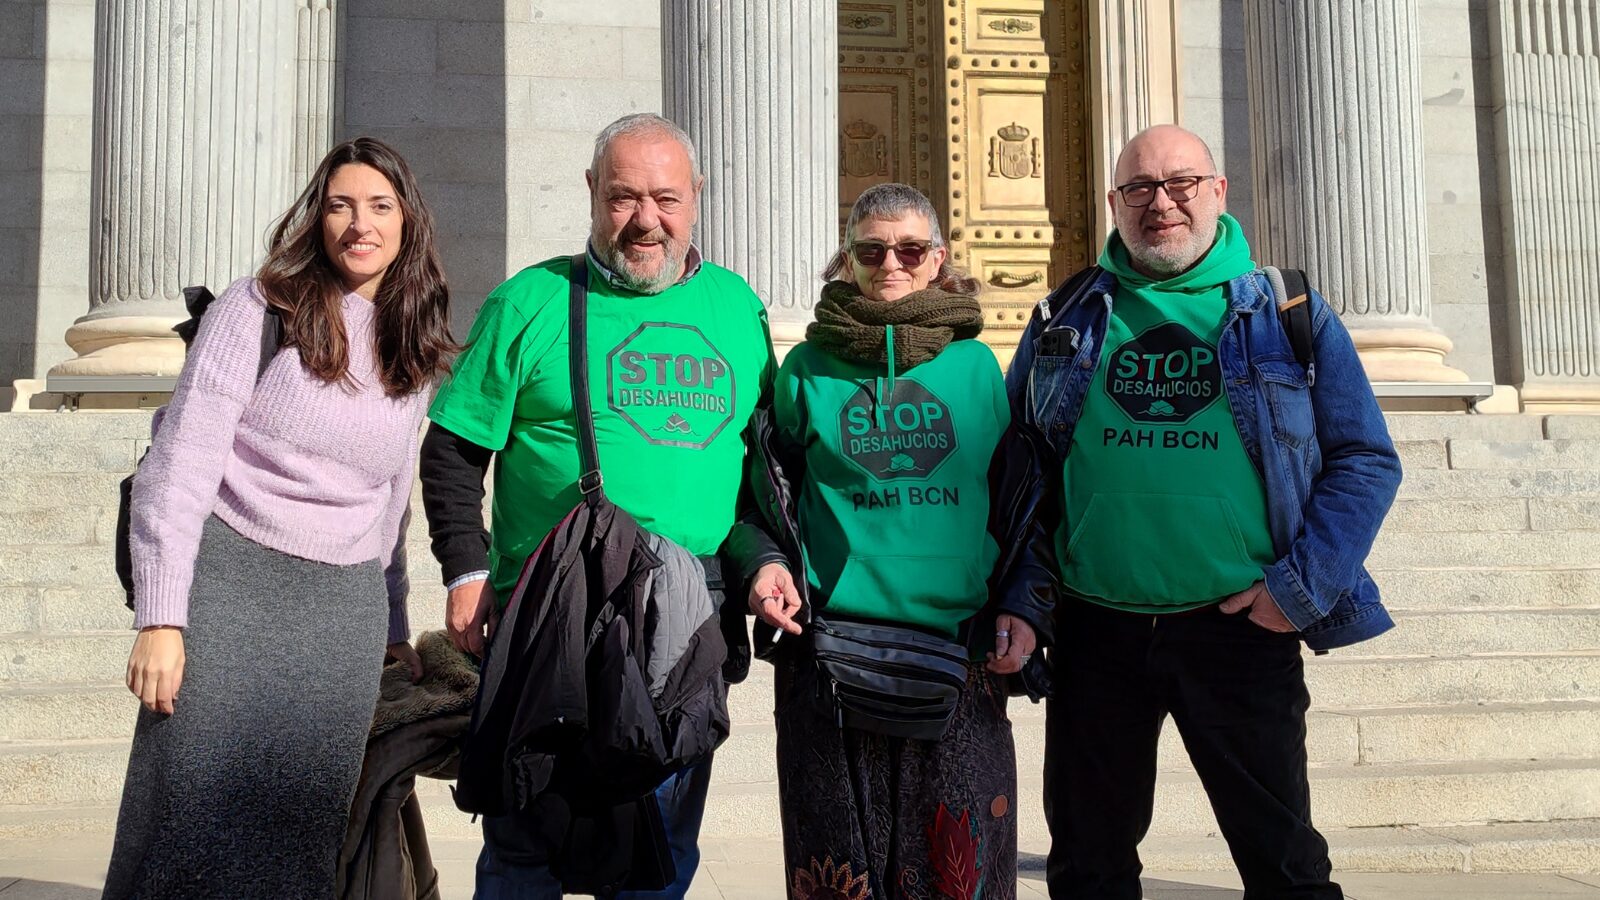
<point x="271" y="339"/>
<point x="197" y="298"/>
<point x="578" y="362"/>
<point x="1294" y="314"/>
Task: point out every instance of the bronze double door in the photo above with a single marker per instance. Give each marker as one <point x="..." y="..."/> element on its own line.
<point x="985" y="107"/>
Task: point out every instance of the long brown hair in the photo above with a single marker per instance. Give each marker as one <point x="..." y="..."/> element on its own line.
<point x="411" y="314"/>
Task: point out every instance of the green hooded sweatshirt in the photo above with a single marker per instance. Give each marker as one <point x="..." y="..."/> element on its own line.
<point x="894" y="506"/>
<point x="1164" y="511"/>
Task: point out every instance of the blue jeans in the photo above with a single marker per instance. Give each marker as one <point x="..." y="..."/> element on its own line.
<point x="683" y="804"/>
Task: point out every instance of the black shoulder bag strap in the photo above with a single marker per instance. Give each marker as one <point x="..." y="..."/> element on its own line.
<point x="578" y="362"/>
<point x="1294" y="314"/>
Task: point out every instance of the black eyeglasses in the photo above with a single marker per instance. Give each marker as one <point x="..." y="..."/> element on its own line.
<point x="1179" y="189"/>
<point x="873" y="253"/>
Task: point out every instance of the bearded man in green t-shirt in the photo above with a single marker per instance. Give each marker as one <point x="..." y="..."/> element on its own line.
<point x="678" y="353"/>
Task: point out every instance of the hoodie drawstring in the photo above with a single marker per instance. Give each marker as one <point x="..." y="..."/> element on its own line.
<point x="884" y="387"/>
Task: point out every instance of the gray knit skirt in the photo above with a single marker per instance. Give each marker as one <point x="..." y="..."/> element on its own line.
<point x="244" y="790"/>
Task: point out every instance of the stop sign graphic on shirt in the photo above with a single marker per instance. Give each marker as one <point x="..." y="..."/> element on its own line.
<point x="1164" y="376"/>
<point x="908" y="435"/>
<point x="671" y="385"/>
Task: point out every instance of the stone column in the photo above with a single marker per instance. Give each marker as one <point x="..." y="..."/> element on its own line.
<point x="1336" y="140"/>
<point x="1135" y="46"/>
<point x="195" y="141"/>
<point x="318" y="101"/>
<point x="1546" y="71"/>
<point x="756" y="85"/>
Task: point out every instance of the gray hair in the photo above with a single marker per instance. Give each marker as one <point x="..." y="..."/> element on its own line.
<point x="640" y="124"/>
<point x="893" y="201"/>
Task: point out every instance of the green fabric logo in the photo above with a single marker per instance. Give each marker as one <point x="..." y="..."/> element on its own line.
<point x="909" y="436"/>
<point x="1165" y="376"/>
<point x="671" y="384"/>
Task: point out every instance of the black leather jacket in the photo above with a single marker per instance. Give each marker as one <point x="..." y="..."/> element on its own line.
<point x="1024" y="583"/>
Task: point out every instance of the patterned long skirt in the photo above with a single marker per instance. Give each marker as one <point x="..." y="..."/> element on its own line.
<point x="868" y="817"/>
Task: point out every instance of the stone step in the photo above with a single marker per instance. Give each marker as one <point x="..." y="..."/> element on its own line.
<point x="23" y="491"/>
<point x="95" y="456"/>
<point x="1461" y="633"/>
<point x="53" y="427"/>
<point x="1352" y="682"/>
<point x="1569" y="846"/>
<point x="1344" y="797"/>
<point x="1356" y="796"/>
<point x="1472" y="589"/>
<point x="1345" y="679"/>
<point x="1348" y="737"/>
<point x="1440" y="427"/>
<point x="1340" y="682"/>
<point x="46" y="713"/>
<point x="1566" y="453"/>
<point x="1572" y="427"/>
<point x="1486" y="485"/>
<point x="1501" y="514"/>
<point x="1554" y="730"/>
<point x="1489" y="549"/>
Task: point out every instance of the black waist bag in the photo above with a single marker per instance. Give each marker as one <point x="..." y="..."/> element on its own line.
<point x="889" y="679"/>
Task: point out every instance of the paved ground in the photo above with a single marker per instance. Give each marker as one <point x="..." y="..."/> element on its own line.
<point x="73" y="868"/>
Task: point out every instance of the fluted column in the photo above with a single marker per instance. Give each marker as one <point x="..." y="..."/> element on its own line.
<point x="1336" y="140"/>
<point x="317" y="72"/>
<point x="1546" y="70"/>
<point x="195" y="143"/>
<point x="756" y="85"/>
<point x="1135" y="45"/>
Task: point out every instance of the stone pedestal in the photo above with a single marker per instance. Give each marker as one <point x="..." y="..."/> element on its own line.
<point x="1545" y="63"/>
<point x="756" y="85"/>
<point x="1336" y="140"/>
<point x="201" y="121"/>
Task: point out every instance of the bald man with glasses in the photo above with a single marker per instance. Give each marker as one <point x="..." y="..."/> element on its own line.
<point x="1221" y="486"/>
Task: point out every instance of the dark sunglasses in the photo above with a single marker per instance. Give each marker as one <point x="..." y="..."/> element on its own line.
<point x="873" y="253"/>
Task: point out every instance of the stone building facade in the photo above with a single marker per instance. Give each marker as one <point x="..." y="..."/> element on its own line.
<point x="1430" y="162"/>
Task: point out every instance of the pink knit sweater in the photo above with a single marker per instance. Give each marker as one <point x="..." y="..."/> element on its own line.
<point x="315" y="470"/>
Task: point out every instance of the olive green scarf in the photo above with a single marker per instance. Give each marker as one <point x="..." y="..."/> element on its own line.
<point x="914" y="328"/>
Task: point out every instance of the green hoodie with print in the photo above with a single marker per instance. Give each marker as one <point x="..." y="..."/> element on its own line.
<point x="894" y="505"/>
<point x="1164" y="510"/>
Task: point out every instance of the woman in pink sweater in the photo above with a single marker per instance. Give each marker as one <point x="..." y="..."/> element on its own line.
<point x="268" y="540"/>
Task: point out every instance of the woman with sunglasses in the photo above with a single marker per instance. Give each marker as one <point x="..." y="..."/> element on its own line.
<point x="268" y="540"/>
<point x="884" y="424"/>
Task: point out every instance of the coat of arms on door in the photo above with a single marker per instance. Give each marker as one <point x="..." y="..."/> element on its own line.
<point x="1013" y="154"/>
<point x="864" y="151"/>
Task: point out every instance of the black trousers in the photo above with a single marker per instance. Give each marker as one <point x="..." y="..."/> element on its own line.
<point x="1238" y="695"/>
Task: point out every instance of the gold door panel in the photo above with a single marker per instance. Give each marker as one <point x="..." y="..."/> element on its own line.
<point x="984" y="106"/>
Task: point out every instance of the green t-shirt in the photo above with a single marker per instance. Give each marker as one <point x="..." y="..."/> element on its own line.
<point x="1164" y="511"/>
<point x="673" y="379"/>
<point x="894" y="508"/>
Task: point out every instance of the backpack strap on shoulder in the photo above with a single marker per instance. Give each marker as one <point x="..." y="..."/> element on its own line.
<point x="1294" y="314"/>
<point x="271" y="340"/>
<point x="1071" y="292"/>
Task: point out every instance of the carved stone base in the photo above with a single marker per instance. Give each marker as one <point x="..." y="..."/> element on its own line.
<point x="124" y="345"/>
<point x="1405" y="354"/>
<point x="1557" y="398"/>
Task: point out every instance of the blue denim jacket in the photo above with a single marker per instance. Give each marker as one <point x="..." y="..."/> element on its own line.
<point x="1321" y="444"/>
